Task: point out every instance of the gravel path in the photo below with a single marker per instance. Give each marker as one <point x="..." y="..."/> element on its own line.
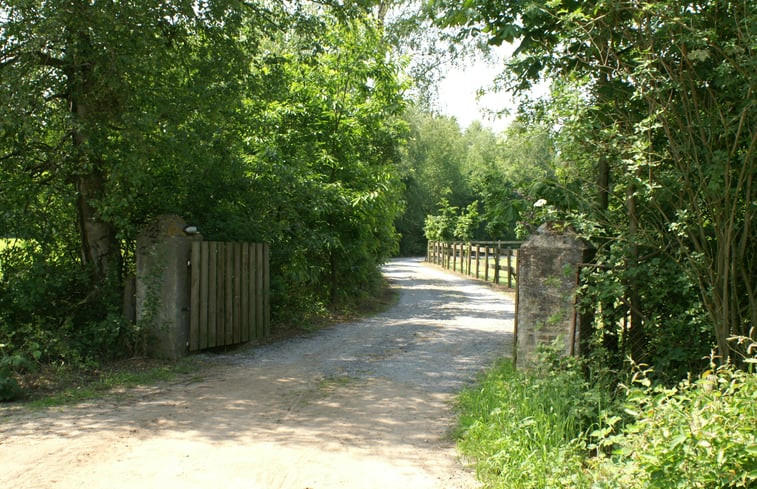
<point x="359" y="405"/>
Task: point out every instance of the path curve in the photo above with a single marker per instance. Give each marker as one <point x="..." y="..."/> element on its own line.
<point x="359" y="405"/>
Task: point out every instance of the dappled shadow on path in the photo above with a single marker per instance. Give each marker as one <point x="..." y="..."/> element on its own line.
<point x="380" y="384"/>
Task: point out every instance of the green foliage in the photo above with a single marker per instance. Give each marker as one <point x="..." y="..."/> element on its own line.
<point x="327" y="186"/>
<point x="254" y="121"/>
<point x="654" y="106"/>
<point x="432" y="167"/>
<point x="551" y="427"/>
<point x="10" y="365"/>
<point x="442" y="227"/>
<point x="699" y="434"/>
<point x="525" y="429"/>
<point x="467" y="222"/>
<point x="447" y="171"/>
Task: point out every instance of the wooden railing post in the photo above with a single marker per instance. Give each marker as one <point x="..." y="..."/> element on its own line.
<point x="496" y="263"/>
<point x="478" y="255"/>
<point x="469" y="258"/>
<point x="486" y="262"/>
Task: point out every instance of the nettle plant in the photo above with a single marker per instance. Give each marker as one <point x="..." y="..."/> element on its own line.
<point x="701" y="433"/>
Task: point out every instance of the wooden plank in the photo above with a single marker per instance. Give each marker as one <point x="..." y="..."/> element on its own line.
<point x="259" y="300"/>
<point x="212" y="294"/>
<point x="266" y="291"/>
<point x="203" y="313"/>
<point x="228" y="327"/>
<point x="194" y="297"/>
<point x="253" y="290"/>
<point x="257" y="326"/>
<point x="245" y="293"/>
<point x="220" y="296"/>
<point x="237" y="319"/>
<point x="510" y="268"/>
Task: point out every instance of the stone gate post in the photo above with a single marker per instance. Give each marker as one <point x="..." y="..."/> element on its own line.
<point x="548" y="263"/>
<point x="163" y="250"/>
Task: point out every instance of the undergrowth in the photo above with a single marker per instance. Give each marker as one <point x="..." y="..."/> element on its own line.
<point x="550" y="427"/>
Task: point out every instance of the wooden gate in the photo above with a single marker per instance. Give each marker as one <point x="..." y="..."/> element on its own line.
<point x="229" y="299"/>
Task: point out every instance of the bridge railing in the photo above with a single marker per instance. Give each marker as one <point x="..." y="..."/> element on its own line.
<point x="491" y="261"/>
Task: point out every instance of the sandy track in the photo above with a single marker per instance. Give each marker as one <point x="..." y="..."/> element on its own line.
<point x="359" y="405"/>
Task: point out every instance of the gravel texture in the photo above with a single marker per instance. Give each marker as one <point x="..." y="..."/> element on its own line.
<point x="361" y="405"/>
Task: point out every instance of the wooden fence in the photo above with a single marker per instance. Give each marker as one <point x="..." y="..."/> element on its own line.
<point x="229" y="301"/>
<point x="491" y="261"/>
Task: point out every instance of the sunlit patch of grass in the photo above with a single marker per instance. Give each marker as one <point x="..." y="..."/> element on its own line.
<point x="525" y="429"/>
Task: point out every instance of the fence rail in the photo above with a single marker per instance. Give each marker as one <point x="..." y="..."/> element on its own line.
<point x="491" y="261"/>
<point x="229" y="301"/>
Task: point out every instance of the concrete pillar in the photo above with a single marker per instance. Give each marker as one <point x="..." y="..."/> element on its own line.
<point x="163" y="251"/>
<point x="548" y="265"/>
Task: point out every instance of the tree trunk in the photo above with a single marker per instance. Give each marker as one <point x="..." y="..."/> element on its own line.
<point x="100" y="251"/>
<point x="636" y="338"/>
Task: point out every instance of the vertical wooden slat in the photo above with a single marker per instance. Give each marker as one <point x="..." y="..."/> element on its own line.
<point x="259" y="324"/>
<point x="245" y="293"/>
<point x="237" y="319"/>
<point x="212" y="293"/>
<point x="228" y="326"/>
<point x="510" y="268"/>
<point x="253" y="291"/>
<point x="203" y="313"/>
<point x="194" y="297"/>
<point x="220" y="297"/>
<point x="266" y="292"/>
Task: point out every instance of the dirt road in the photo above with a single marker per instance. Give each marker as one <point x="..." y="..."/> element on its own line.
<point x="359" y="406"/>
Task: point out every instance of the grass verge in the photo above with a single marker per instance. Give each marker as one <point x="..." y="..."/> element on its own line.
<point x="50" y="387"/>
<point x="550" y="428"/>
<point x="523" y="429"/>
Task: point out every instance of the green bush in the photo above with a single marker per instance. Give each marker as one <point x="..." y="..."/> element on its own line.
<point x="700" y="434"/>
<point x="51" y="312"/>
<point x="550" y="427"/>
<point x="525" y="429"/>
<point x="10" y="364"/>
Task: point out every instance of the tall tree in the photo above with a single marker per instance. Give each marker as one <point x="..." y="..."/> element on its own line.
<point x="91" y="89"/>
<point x="673" y="85"/>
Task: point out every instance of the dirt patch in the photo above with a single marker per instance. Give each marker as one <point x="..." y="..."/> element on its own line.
<point x="359" y="405"/>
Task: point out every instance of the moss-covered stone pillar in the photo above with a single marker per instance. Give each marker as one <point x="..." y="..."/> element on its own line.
<point x="548" y="264"/>
<point x="163" y="251"/>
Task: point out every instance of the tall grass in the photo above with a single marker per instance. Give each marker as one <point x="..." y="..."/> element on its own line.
<point x="526" y="429"/>
<point x="550" y="428"/>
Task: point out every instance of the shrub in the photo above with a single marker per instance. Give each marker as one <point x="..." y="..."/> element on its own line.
<point x="526" y="429"/>
<point x="10" y="364"/>
<point x="700" y="434"/>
